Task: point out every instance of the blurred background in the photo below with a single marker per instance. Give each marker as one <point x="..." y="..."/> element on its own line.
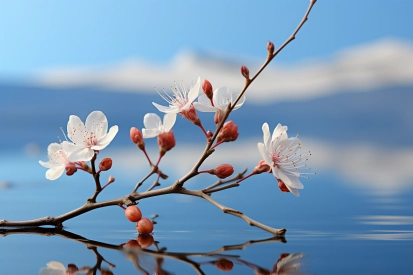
<point x="345" y="84"/>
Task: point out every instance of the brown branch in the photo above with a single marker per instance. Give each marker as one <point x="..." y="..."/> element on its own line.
<point x="221" y="182"/>
<point x="230" y="107"/>
<point x="177" y="187"/>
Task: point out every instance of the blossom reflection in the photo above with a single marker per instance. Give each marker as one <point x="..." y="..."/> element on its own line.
<point x="287" y="264"/>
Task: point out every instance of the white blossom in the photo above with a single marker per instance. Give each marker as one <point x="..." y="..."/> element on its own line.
<point x="284" y="156"/>
<point x="221" y="98"/>
<point x="89" y="137"/>
<point x="154" y="126"/>
<point x="181" y="99"/>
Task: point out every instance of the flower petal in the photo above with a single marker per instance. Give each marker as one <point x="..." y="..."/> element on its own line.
<point x="169" y="109"/>
<point x="104" y="141"/>
<point x="204" y="108"/>
<point x="194" y="92"/>
<point x="168" y="121"/>
<point x="266" y="133"/>
<point x="290" y="180"/>
<point x="97" y="123"/>
<point x="204" y="100"/>
<point x="152" y="121"/>
<point x="82" y="154"/>
<point x="55" y="172"/>
<point x="47" y="164"/>
<point x="150" y="133"/>
<point x="240" y="102"/>
<point x="75" y="129"/>
<point x="264" y="154"/>
<point x="280" y="133"/>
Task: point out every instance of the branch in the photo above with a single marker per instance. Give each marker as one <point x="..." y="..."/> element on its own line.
<point x="230" y="107"/>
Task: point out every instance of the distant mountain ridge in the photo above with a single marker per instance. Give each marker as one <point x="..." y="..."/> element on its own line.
<point x="384" y="116"/>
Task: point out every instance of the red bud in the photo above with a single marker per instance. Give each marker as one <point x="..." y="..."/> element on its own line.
<point x="70" y="169"/>
<point x="245" y="72"/>
<point x="229" y="132"/>
<point x="270" y="47"/>
<point x="223" y="171"/>
<point x="166" y="142"/>
<point x="207" y="88"/>
<point x="282" y="186"/>
<point x="105" y="164"/>
<point x="137" y="138"/>
<point x="262" y="167"/>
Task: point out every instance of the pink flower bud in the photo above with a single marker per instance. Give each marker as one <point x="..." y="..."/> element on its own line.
<point x="105" y="164"/>
<point x="70" y="169"/>
<point x="166" y="142"/>
<point x="136" y="137"/>
<point x="209" y="134"/>
<point x="229" y="132"/>
<point x="245" y="72"/>
<point x="219" y="116"/>
<point x="222" y="171"/>
<point x="207" y="88"/>
<point x="270" y="47"/>
<point x="191" y="115"/>
<point x="262" y="167"/>
<point x="282" y="186"/>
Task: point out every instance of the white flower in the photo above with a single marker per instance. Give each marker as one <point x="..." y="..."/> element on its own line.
<point x="53" y="267"/>
<point x="181" y="99"/>
<point x="221" y="98"/>
<point x="154" y="126"/>
<point x="88" y="138"/>
<point x="288" y="264"/>
<point x="284" y="156"/>
<point x="57" y="161"/>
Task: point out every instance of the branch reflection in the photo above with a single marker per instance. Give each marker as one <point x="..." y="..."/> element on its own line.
<point x="150" y="261"/>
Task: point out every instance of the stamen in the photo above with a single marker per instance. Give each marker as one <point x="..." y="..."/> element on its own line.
<point x="61" y="129"/>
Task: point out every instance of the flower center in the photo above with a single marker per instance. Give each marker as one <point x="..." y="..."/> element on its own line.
<point x="275" y="158"/>
<point x="90" y="139"/>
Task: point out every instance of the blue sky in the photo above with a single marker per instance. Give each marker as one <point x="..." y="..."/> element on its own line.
<point x="36" y="35"/>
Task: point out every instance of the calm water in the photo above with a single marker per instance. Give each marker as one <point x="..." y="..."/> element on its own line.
<point x="333" y="228"/>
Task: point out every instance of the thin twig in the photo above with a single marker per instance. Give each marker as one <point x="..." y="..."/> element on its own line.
<point x="154" y="184"/>
<point x="221" y="182"/>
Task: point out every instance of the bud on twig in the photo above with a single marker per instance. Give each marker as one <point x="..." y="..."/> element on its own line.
<point x="224" y="265"/>
<point x="191" y="115"/>
<point x="229" y="132"/>
<point x="166" y="142"/>
<point x="282" y="186"/>
<point x="70" y="169"/>
<point x="136" y="137"/>
<point x="262" y="167"/>
<point x="219" y="116"/>
<point x="270" y="48"/>
<point x="207" y="88"/>
<point x="111" y="179"/>
<point x="105" y="164"/>
<point x="245" y="72"/>
<point x="222" y="171"/>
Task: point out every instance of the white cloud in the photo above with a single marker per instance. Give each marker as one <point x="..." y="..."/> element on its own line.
<point x="377" y="170"/>
<point x="386" y="62"/>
